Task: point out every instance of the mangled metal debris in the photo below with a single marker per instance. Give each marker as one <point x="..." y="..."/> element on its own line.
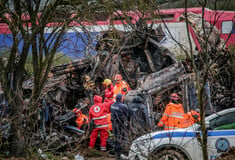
<point x="149" y="68"/>
<point x="138" y="55"/>
<point x="134" y="55"/>
<point x="221" y="73"/>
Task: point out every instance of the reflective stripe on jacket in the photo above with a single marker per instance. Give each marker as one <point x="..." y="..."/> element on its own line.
<point x="172" y="117"/>
<point x="98" y="112"/>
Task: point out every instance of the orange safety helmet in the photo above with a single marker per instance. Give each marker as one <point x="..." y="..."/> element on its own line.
<point x="107" y="82"/>
<point x="118" y="77"/>
<point x="174" y="96"/>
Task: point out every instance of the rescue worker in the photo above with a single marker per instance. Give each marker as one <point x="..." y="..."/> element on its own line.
<point x="173" y="115"/>
<point x="119" y="117"/>
<point x="121" y="86"/>
<point x="98" y="113"/>
<point x="108" y="97"/>
<point x="82" y="120"/>
<point x="191" y="118"/>
<point x="108" y="90"/>
<point x="109" y="122"/>
<point x="139" y="120"/>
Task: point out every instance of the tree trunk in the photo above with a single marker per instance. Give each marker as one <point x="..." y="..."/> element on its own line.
<point x="203" y="125"/>
<point x="17" y="136"/>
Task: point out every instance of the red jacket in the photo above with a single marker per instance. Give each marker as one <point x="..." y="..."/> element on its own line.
<point x="108" y="93"/>
<point x="98" y="112"/>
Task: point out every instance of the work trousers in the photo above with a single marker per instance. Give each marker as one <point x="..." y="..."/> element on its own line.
<point x="119" y="135"/>
<point x="103" y="138"/>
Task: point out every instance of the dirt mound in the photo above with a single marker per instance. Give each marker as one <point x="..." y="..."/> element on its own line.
<point x="93" y="154"/>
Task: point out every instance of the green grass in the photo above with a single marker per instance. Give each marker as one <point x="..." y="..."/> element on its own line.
<point x="58" y="59"/>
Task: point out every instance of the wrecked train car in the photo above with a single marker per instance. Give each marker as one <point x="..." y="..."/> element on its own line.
<point x="129" y="56"/>
<point x="149" y="67"/>
<point x="138" y="56"/>
<point x="151" y="70"/>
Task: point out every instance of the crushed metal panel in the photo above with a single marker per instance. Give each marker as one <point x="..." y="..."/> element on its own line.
<point x="169" y="76"/>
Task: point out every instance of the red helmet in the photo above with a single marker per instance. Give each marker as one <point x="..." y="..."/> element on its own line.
<point x="76" y="111"/>
<point x="118" y="77"/>
<point x="174" y="96"/>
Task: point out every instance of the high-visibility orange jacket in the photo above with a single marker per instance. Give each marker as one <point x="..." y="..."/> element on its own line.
<point x="82" y="119"/>
<point x="109" y="121"/>
<point x="194" y="117"/>
<point x="190" y="118"/>
<point x="172" y="117"/>
<point x="121" y="88"/>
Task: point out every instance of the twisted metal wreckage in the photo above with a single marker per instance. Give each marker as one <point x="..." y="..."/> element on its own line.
<point x="150" y="69"/>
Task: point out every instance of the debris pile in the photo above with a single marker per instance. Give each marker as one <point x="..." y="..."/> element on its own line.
<point x="134" y="55"/>
<point x="149" y="68"/>
<point x="222" y="70"/>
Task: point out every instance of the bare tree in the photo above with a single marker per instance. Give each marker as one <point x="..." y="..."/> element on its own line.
<point x="28" y="22"/>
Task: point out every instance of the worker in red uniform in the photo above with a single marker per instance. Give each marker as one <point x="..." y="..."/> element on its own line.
<point x="121" y="86"/>
<point x="108" y="90"/>
<point x="173" y="115"/>
<point x="98" y="112"/>
<point x="82" y="120"/>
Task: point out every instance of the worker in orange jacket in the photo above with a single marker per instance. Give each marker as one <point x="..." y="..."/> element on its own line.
<point x="108" y="93"/>
<point x="121" y="86"/>
<point x="109" y="122"/>
<point x="81" y="120"/>
<point x="190" y="118"/>
<point x="173" y="115"/>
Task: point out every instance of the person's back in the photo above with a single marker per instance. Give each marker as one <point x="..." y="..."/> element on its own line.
<point x="119" y="116"/>
<point x="173" y="115"/>
<point x="98" y="112"/>
<point x="139" y="114"/>
<point x="119" y="111"/>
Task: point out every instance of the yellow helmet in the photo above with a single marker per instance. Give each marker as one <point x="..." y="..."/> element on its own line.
<point x="107" y="82"/>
